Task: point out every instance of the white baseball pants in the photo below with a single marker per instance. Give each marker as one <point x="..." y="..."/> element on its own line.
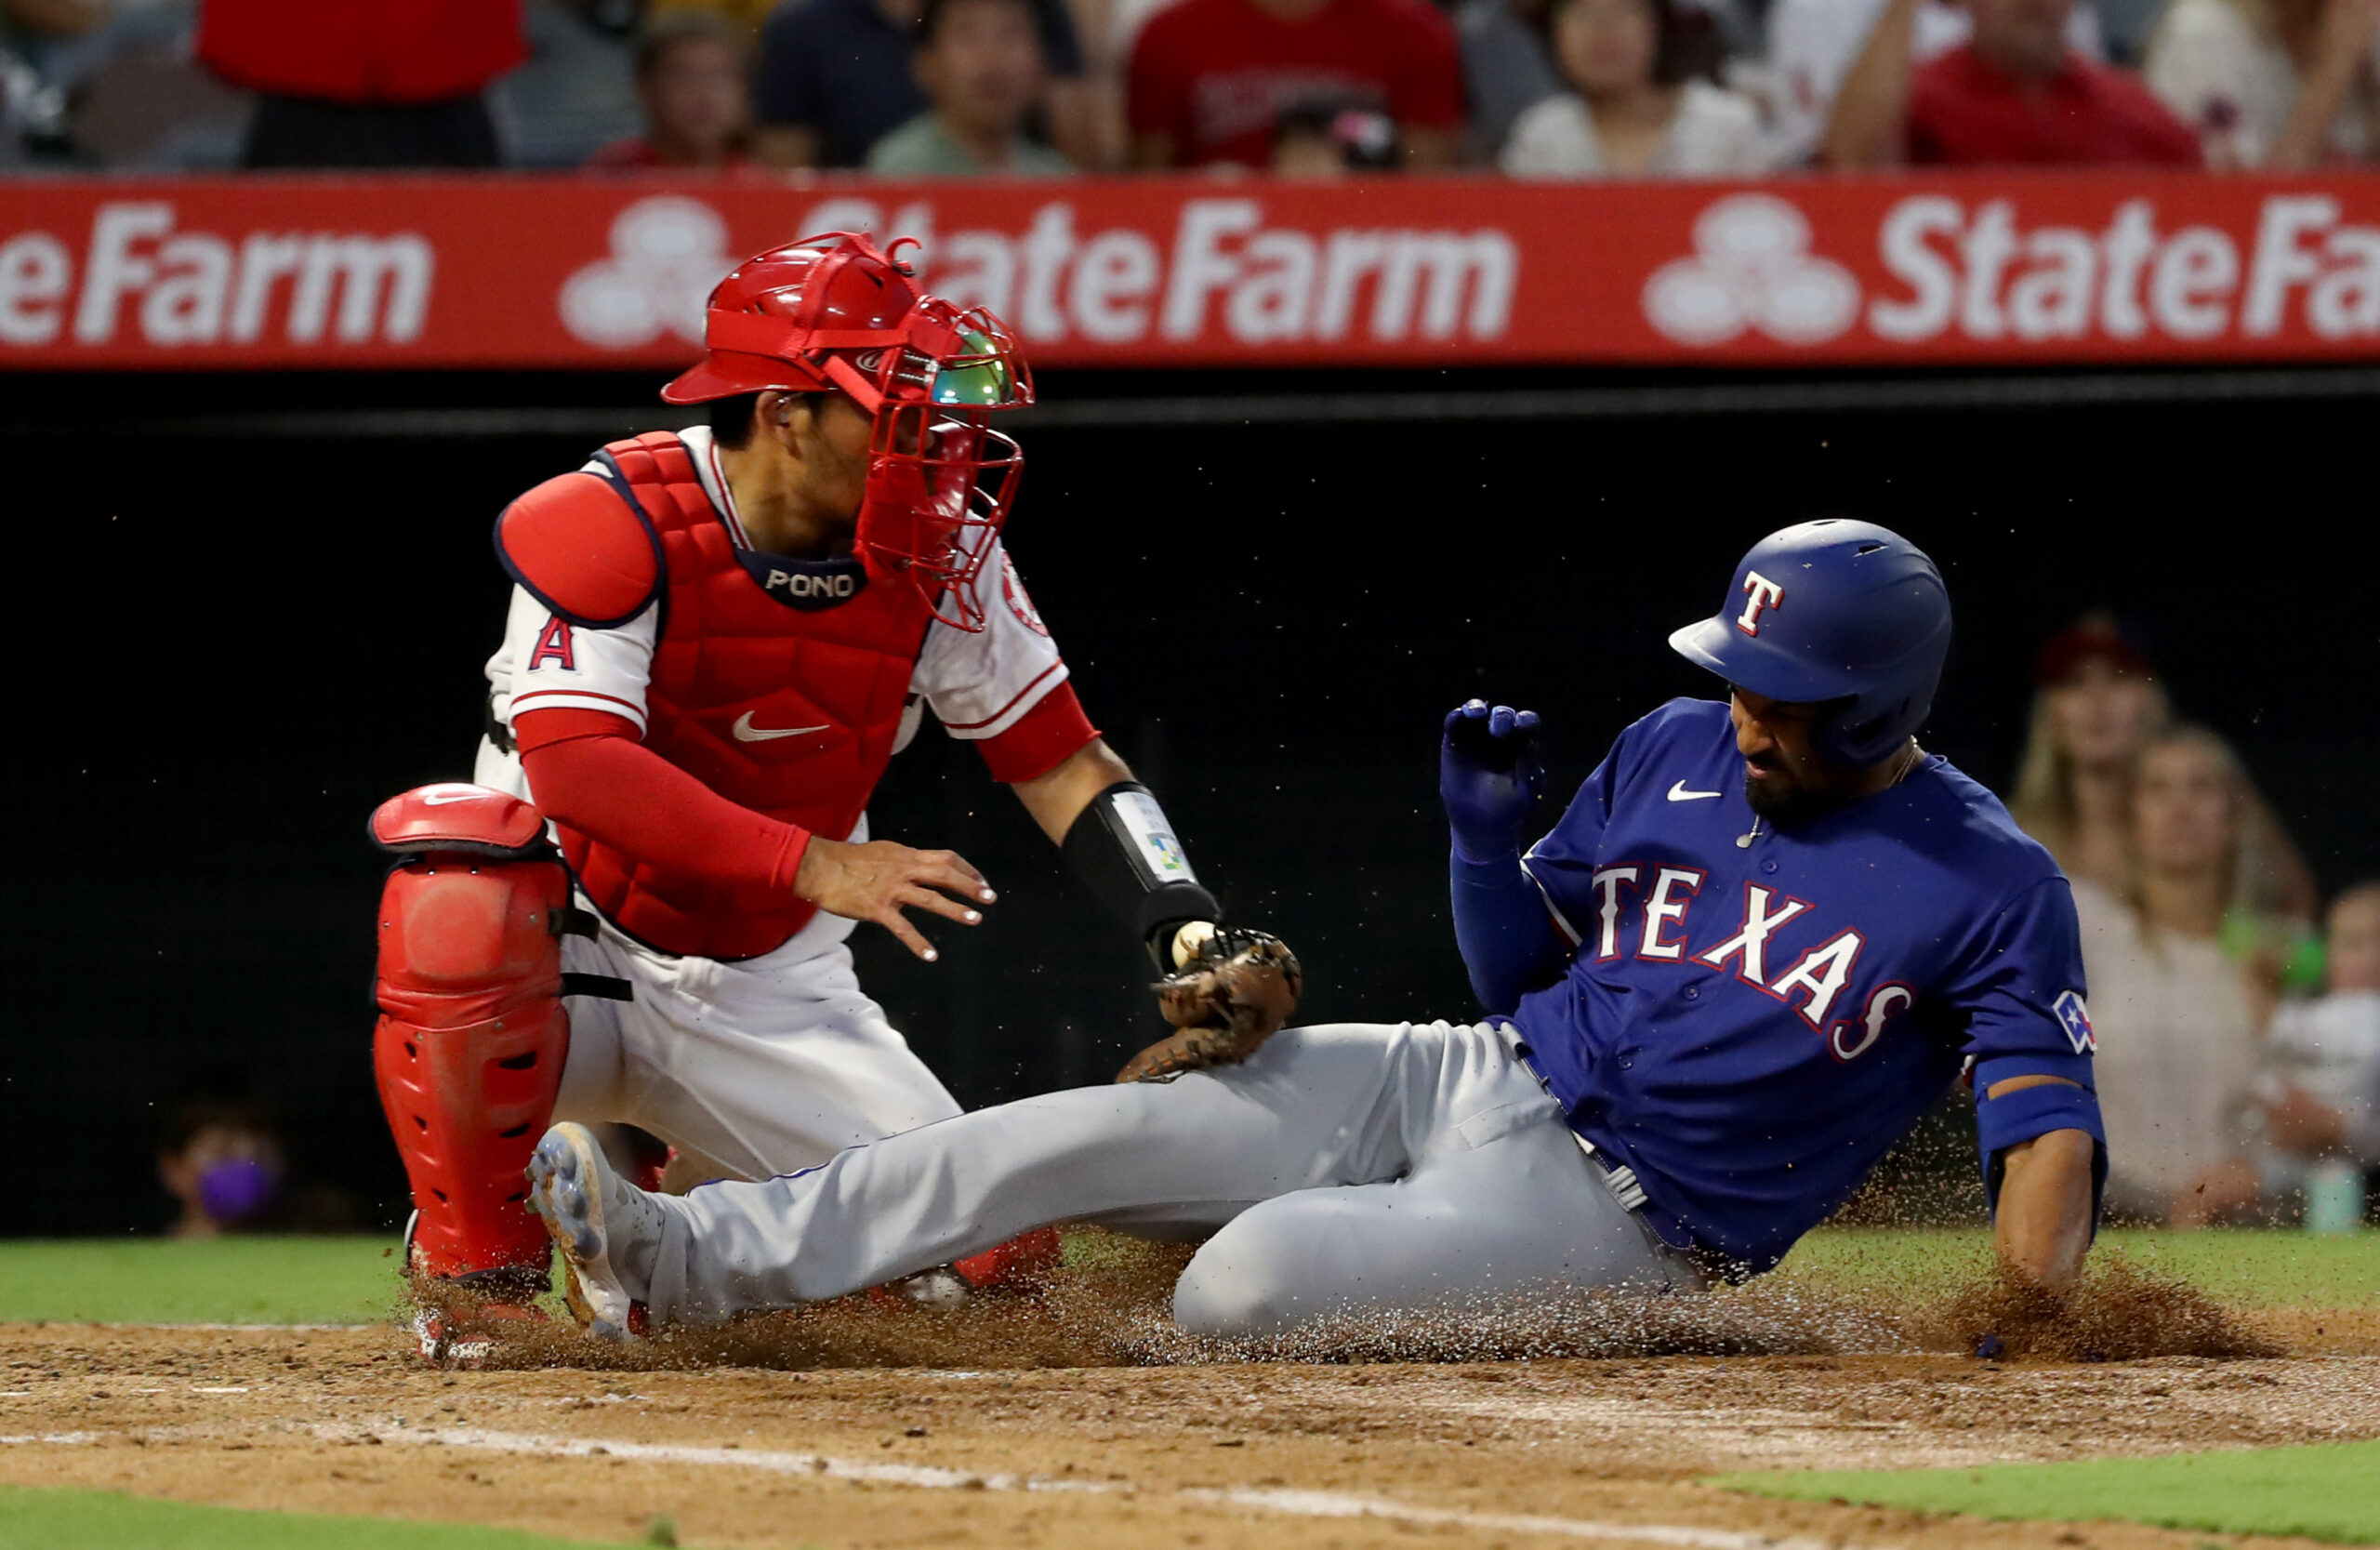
<point x="762" y="1066"/>
<point x="1347" y="1167"/>
<point x="759" y="1067"/>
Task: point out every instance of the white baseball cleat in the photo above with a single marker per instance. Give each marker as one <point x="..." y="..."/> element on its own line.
<point x="601" y="1224"/>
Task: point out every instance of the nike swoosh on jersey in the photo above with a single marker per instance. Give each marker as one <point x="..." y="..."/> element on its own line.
<point x="747" y="733"/>
<point x="1679" y="793"/>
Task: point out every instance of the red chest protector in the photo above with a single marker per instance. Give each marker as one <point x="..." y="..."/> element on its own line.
<point x="778" y="684"/>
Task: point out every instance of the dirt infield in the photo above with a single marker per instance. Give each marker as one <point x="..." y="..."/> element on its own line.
<point x="1018" y="1424"/>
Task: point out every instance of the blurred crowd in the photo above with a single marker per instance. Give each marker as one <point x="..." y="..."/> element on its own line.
<point x="2238" y="1015"/>
<point x="1530" y="88"/>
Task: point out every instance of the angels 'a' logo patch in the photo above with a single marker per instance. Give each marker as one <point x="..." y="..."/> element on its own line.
<point x="2075" y="1018"/>
<point x="1012" y="589"/>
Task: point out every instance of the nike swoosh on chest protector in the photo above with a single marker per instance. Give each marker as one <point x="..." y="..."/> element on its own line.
<point x="747" y="733"/>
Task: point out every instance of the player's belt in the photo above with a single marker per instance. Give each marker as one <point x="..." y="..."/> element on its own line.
<point x="1617" y="1177"/>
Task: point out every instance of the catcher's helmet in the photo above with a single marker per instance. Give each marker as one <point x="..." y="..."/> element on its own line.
<point x="836" y="313"/>
<point x="1833" y="611"/>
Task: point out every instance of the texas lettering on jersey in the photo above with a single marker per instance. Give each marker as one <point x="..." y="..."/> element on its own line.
<point x="1657" y="917"/>
<point x="1751" y="1025"/>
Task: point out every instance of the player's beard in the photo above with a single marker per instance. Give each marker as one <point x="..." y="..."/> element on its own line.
<point x="1781" y="803"/>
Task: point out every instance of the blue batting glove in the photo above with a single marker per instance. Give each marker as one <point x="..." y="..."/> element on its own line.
<point x="1490" y="774"/>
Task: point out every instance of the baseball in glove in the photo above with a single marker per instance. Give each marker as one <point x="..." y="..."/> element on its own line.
<point x="1234" y="991"/>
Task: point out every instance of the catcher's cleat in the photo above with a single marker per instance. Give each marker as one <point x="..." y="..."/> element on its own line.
<point x="601" y="1222"/>
<point x="453" y="1326"/>
<point x="940" y="1288"/>
<point x="1022" y="1265"/>
<point x="448" y="1338"/>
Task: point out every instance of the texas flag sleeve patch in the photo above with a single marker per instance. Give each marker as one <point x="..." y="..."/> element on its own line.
<point x="2075" y="1018"/>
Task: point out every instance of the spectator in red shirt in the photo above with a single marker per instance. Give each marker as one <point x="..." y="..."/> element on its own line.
<point x="365" y="83"/>
<point x="1208" y="78"/>
<point x="2015" y="95"/>
<point x="690" y="81"/>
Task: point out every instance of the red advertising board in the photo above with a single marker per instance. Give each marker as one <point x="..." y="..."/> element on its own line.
<point x="2101" y="267"/>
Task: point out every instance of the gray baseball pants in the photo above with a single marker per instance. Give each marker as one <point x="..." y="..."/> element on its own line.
<point x="1343" y="1168"/>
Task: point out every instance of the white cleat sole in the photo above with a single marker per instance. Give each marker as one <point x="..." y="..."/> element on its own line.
<point x="566" y="1188"/>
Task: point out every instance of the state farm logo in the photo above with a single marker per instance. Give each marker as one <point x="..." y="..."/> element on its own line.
<point x="1751" y="270"/>
<point x="1983" y="273"/>
<point x="1953" y="272"/>
<point x="1231" y="270"/>
<point x="1228" y="269"/>
<point x="144" y="278"/>
<point x="667" y="253"/>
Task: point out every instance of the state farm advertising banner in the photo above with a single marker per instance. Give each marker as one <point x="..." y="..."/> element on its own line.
<point x="611" y="273"/>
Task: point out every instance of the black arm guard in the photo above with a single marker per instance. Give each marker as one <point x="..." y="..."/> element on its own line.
<point x="1124" y="848"/>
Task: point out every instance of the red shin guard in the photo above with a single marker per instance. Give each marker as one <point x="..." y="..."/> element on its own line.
<point x="468" y="1051"/>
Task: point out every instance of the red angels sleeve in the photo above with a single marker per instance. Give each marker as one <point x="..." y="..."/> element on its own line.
<point x="1004" y="688"/>
<point x="588" y="769"/>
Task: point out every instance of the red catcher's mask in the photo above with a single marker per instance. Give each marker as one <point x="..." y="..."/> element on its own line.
<point x="835" y="313"/>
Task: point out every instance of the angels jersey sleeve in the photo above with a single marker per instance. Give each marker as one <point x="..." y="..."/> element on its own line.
<point x="1004" y="687"/>
<point x="547" y="663"/>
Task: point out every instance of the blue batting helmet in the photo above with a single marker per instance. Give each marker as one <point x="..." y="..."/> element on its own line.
<point x="1833" y="611"/>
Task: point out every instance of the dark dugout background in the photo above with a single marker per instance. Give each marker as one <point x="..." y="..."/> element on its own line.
<point x="231" y="646"/>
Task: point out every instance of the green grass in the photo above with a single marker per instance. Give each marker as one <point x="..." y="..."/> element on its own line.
<point x="350" y="1280"/>
<point x="2246" y="1267"/>
<point x="224" y="1280"/>
<point x="49" y="1518"/>
<point x="2324" y="1492"/>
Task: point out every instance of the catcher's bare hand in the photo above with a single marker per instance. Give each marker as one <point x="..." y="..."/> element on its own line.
<point x="1235" y="989"/>
<point x="877" y="880"/>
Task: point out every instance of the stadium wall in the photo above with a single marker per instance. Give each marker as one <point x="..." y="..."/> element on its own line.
<point x="269" y="630"/>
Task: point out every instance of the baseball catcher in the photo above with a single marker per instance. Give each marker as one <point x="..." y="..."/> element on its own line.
<point x="717" y="637"/>
<point x="1766" y="935"/>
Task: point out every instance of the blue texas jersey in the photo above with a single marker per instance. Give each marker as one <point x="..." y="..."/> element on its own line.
<point x="1750" y="1027"/>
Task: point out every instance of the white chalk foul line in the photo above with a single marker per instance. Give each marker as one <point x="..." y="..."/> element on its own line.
<point x="924" y="1475"/>
<point x="1332" y="1503"/>
<point x="1295" y="1504"/>
<point x="231" y="1329"/>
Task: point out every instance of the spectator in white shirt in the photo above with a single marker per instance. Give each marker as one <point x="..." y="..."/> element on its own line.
<point x="2284" y="85"/>
<point x="1632" y="110"/>
<point x="2177" y="1024"/>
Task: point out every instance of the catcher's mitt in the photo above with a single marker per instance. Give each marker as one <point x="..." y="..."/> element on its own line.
<point x="1232" y="995"/>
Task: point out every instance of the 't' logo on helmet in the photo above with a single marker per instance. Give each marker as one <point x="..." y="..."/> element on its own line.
<point x="1764" y="593"/>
